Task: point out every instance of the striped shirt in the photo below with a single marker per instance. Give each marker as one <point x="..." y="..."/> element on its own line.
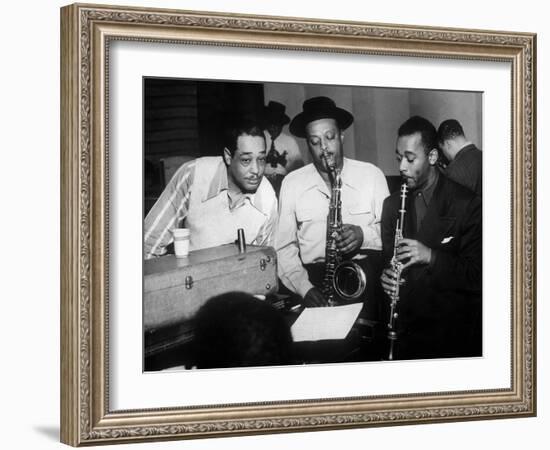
<point x="197" y="197"/>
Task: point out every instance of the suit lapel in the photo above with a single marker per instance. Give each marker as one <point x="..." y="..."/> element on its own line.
<point x="438" y="221"/>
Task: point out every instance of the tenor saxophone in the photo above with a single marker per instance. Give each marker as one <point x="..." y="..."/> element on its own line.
<point x="342" y="280"/>
<point x="397" y="267"/>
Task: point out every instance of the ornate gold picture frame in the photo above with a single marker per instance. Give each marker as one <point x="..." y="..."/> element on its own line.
<point x="87" y="32"/>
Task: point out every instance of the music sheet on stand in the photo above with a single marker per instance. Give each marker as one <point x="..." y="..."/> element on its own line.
<point x="333" y="322"/>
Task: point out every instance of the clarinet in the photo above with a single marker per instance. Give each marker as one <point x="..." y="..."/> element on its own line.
<point x="397" y="268"/>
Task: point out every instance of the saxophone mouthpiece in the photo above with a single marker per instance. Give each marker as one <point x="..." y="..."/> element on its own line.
<point x="328" y="160"/>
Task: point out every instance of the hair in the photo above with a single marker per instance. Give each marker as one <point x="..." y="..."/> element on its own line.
<point x="242" y="126"/>
<point x="236" y="329"/>
<point x="417" y="124"/>
<point x="449" y="129"/>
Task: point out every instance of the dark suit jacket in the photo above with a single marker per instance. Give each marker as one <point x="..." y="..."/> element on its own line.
<point x="466" y="168"/>
<point x="440" y="303"/>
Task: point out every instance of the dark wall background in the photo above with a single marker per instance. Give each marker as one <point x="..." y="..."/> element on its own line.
<point x="184" y="119"/>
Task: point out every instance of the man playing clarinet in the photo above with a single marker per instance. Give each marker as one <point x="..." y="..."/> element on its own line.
<point x="438" y="312"/>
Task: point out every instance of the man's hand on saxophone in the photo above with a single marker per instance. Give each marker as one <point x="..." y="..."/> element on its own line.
<point x="315" y="298"/>
<point x="349" y="239"/>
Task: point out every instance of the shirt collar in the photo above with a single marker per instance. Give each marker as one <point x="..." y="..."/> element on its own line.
<point x="347" y="175"/>
<point x="314" y="180"/>
<point x="428" y="190"/>
<point x="220" y="183"/>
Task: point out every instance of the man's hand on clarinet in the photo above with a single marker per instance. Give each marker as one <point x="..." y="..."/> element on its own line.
<point x="389" y="280"/>
<point x="411" y="252"/>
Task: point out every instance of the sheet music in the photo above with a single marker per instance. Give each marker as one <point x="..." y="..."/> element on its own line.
<point x="331" y="322"/>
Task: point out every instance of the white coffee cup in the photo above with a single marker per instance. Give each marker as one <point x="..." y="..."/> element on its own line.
<point x="181" y="242"/>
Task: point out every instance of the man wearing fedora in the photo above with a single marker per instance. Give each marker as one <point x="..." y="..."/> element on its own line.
<point x="304" y="201"/>
<point x="283" y="153"/>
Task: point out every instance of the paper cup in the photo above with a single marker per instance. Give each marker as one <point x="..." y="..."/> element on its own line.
<point x="181" y="242"/>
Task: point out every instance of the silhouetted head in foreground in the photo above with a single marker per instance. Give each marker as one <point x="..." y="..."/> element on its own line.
<point x="238" y="330"/>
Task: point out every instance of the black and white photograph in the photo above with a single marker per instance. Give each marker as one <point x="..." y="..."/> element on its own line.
<point x="292" y="221"/>
<point x="290" y="224"/>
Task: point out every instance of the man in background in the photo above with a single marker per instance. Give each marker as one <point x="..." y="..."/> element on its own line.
<point x="465" y="159"/>
<point x="283" y="153"/>
<point x="439" y="308"/>
<point x="215" y="196"/>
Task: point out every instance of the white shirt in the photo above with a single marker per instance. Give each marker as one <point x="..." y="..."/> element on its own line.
<point x="197" y="198"/>
<point x="303" y="208"/>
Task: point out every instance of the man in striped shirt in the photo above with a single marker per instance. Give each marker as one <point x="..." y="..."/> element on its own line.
<point x="215" y="196"/>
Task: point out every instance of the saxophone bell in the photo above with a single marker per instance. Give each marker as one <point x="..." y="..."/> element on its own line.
<point x="349" y="280"/>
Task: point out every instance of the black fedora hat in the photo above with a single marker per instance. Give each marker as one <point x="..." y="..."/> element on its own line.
<point x="319" y="108"/>
<point x="274" y="113"/>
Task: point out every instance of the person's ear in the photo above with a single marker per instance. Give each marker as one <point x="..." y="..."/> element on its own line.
<point x="433" y="156"/>
<point x="227" y="156"/>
